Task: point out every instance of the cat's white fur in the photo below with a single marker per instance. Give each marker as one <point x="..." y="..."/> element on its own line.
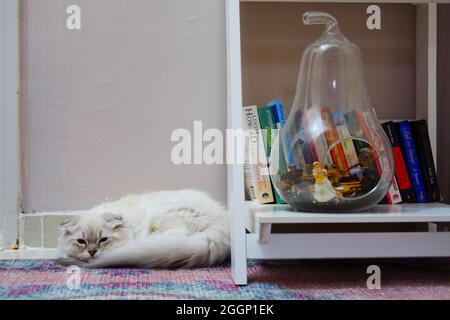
<point x="156" y="230"/>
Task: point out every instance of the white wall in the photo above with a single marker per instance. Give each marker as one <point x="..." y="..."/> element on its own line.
<point x="99" y="105"/>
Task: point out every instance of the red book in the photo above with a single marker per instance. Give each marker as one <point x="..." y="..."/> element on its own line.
<point x="331" y="135"/>
<point x="401" y="171"/>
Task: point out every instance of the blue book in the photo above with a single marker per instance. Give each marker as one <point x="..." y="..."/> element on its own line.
<point x="410" y="152"/>
<point x="280" y="119"/>
<point x="278" y="110"/>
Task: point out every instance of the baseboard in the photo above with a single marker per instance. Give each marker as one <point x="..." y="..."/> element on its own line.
<point x="41" y="230"/>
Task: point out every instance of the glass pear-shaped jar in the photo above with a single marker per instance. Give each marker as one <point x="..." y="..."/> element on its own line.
<point x="332" y="155"/>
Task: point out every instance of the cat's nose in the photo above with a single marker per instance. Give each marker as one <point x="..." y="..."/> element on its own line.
<point x="92" y="252"/>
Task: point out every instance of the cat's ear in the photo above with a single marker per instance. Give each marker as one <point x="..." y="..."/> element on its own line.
<point x="68" y="226"/>
<point x="114" y="220"/>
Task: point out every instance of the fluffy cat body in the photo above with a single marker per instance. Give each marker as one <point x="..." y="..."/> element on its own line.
<point x="156" y="230"/>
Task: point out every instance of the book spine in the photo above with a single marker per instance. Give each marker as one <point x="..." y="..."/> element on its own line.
<point x="362" y="117"/>
<point x="296" y="145"/>
<point x="425" y="155"/>
<point x="331" y="135"/>
<point x="309" y="144"/>
<point x="347" y="144"/>
<point x="412" y="161"/>
<point x="249" y="173"/>
<point x="394" y="195"/>
<point x="280" y="121"/>
<point x="401" y="171"/>
<point x="267" y="121"/>
<point x="371" y="176"/>
<point x="321" y="147"/>
<point x="269" y="130"/>
<point x="256" y="173"/>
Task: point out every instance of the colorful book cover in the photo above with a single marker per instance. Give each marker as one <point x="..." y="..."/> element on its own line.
<point x="394" y="192"/>
<point x="267" y="121"/>
<point x="372" y="130"/>
<point x="371" y="176"/>
<point x="412" y="160"/>
<point x="269" y="131"/>
<point x="357" y="130"/>
<point x="401" y="170"/>
<point x="347" y="144"/>
<point x="337" y="154"/>
<point x="425" y="154"/>
<point x="280" y="119"/>
<point x="256" y="170"/>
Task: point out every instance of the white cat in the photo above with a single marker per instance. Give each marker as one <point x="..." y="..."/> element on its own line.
<point x="157" y="230"/>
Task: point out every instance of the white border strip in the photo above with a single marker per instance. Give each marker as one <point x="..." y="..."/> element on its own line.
<point x="9" y="121"/>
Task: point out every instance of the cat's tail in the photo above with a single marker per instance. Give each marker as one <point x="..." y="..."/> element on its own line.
<point x="169" y="251"/>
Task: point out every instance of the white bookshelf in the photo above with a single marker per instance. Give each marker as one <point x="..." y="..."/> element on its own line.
<point x="251" y="233"/>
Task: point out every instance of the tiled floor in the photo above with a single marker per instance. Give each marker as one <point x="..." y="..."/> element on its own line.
<point x="28" y="254"/>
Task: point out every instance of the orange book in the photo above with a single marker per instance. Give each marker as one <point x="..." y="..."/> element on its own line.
<point x="331" y="135"/>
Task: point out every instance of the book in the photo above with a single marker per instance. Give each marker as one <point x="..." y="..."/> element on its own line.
<point x="331" y="135"/>
<point x="312" y="150"/>
<point x="412" y="160"/>
<point x="347" y="144"/>
<point x="269" y="131"/>
<point x="363" y="149"/>
<point x="421" y="138"/>
<point x="294" y="143"/>
<point x="302" y="132"/>
<point x="401" y="170"/>
<point x="256" y="171"/>
<point x="321" y="148"/>
<point x="267" y="121"/>
<point x="393" y="196"/>
<point x="280" y="120"/>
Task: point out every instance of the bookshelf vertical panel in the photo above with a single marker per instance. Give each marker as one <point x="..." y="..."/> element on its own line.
<point x="236" y="198"/>
<point x="443" y="85"/>
<point x="426" y="69"/>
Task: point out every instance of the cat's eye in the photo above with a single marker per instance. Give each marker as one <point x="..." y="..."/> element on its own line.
<point x="81" y="241"/>
<point x="102" y="240"/>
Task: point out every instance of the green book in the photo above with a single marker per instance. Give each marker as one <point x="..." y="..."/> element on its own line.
<point x="268" y="123"/>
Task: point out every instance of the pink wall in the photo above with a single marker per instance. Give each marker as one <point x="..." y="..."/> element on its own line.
<point x="99" y="105"/>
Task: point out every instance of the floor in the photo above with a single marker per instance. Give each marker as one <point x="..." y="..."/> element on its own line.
<point x="31" y="274"/>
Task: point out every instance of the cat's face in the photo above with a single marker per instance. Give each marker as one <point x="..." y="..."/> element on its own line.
<point x="90" y="236"/>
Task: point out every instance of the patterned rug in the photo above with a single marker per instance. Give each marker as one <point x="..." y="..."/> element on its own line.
<point x="400" y="279"/>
